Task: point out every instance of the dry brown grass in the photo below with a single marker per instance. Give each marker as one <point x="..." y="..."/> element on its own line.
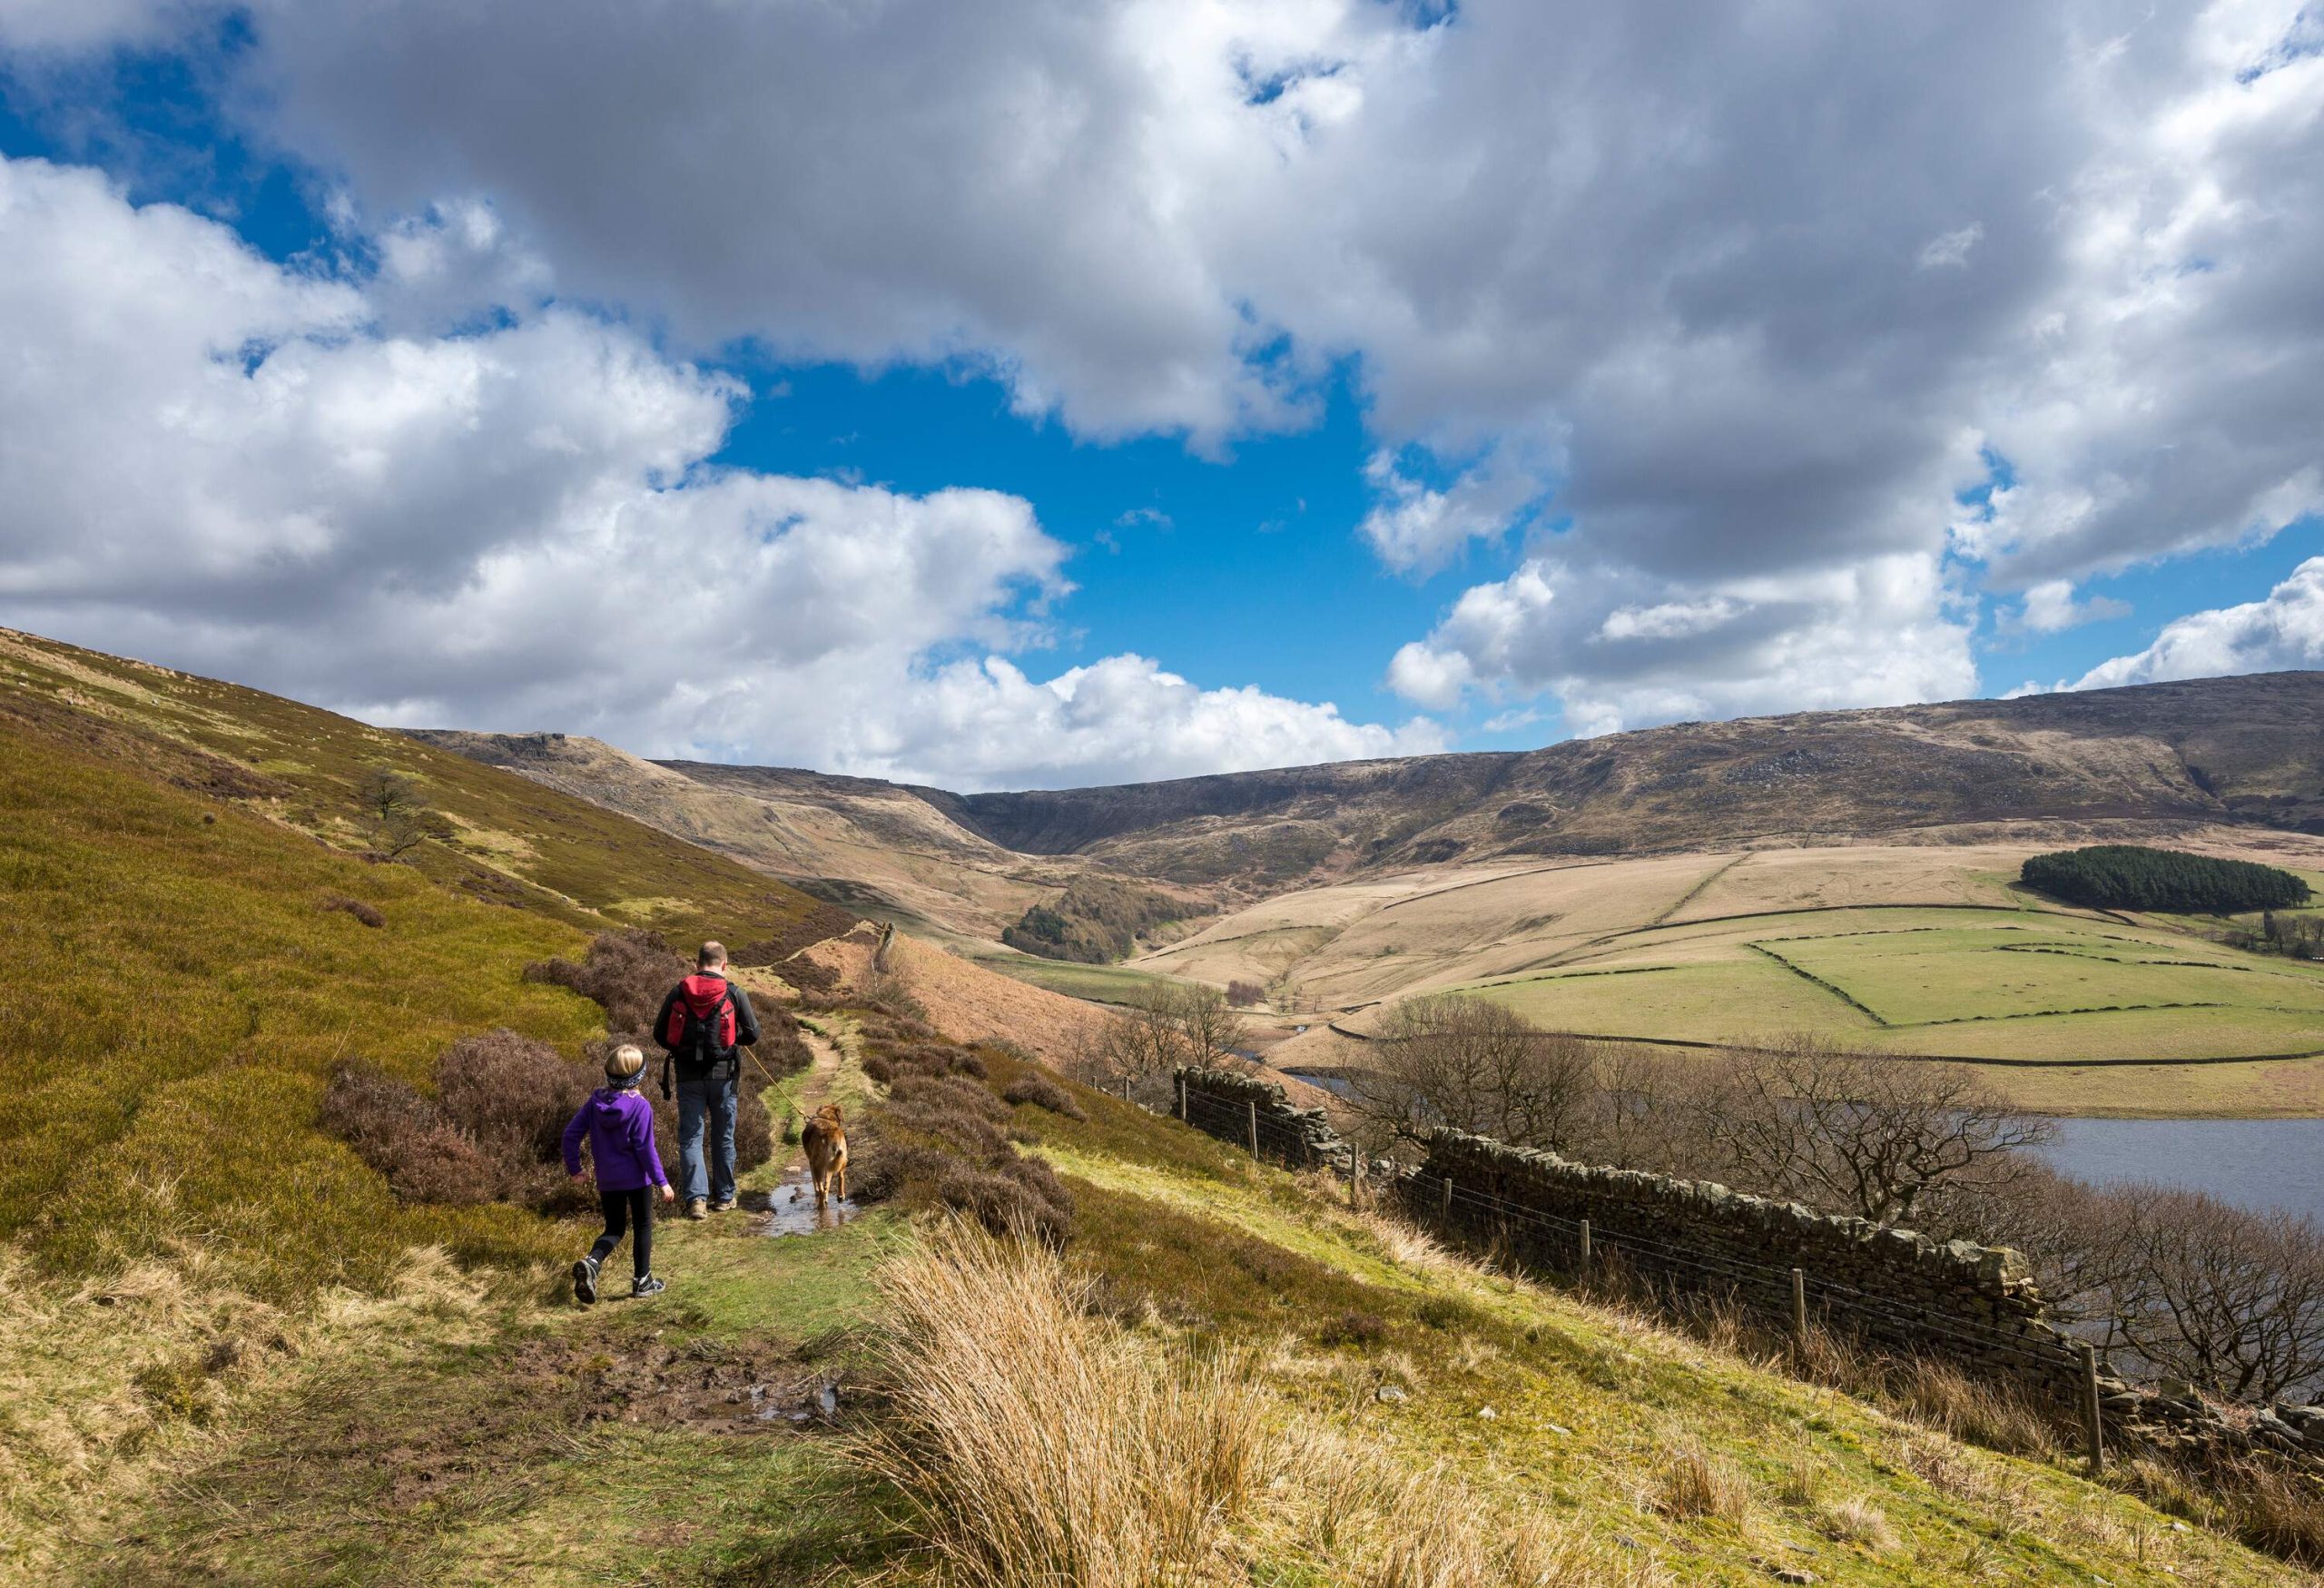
<point x="1940" y="1396"/>
<point x="1035" y="1444"/>
<point x="1038" y="1443"/>
<point x="108" y="1384"/>
<point x="1858" y="1521"/>
<point x="1694" y="1484"/>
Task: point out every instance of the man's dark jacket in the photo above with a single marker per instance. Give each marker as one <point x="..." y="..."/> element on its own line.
<point x="746" y="1031"/>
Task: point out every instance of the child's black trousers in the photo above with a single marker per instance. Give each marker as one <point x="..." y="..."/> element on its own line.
<point x="622" y="1209"/>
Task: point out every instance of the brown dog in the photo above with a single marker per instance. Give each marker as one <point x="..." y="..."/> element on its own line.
<point x="825" y="1139"/>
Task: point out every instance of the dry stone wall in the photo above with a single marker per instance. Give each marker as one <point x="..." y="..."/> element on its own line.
<point x="1972" y="1306"/>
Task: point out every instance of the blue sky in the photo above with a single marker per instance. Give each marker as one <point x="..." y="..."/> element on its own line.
<point x="1060" y="394"/>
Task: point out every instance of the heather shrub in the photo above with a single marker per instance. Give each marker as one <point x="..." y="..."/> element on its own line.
<point x="1041" y="1091"/>
<point x="1002" y="1203"/>
<point x="626" y="973"/>
<point x="943" y="1138"/>
<point x="405" y="1135"/>
<point x="511" y="1093"/>
<point x="368" y="914"/>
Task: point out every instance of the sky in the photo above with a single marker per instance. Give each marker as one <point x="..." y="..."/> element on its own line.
<point x="1056" y="392"/>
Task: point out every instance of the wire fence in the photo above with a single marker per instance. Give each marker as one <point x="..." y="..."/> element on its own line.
<point x="1473" y="1216"/>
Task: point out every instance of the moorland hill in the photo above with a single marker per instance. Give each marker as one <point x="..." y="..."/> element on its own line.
<point x="2155" y="758"/>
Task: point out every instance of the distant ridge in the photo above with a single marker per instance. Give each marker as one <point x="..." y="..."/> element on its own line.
<point x="2147" y="759"/>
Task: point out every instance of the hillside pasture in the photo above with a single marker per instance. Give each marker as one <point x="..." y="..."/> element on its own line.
<point x="1914" y="949"/>
<point x="2029" y="985"/>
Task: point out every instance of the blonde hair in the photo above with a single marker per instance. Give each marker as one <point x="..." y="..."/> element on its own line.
<point x="626" y="1063"/>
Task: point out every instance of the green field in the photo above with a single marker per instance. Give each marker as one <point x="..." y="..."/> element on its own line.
<point x="1981" y="984"/>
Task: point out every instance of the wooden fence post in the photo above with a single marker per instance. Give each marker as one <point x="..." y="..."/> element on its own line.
<point x="1254" y="1106"/>
<point x="1448" y="1201"/>
<point x="1355" y="1177"/>
<point x="1182" y="1099"/>
<point x="1585" y="1243"/>
<point x="1799" y="1308"/>
<point x="2092" y="1423"/>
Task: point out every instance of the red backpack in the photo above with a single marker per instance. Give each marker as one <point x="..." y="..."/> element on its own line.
<point x="702" y="1025"/>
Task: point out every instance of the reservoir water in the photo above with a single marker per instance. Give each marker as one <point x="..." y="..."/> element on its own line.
<point x="2259" y="1164"/>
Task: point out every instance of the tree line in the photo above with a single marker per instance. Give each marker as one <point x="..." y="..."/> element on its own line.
<point x="2128" y="876"/>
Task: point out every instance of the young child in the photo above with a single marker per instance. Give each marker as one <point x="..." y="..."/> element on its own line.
<point x="620" y="1124"/>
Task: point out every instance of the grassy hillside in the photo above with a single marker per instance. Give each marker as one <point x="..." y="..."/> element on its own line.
<point x="1322" y="1380"/>
<point x="510" y="841"/>
<point x="187" y="964"/>
<point x="880" y="850"/>
<point x="1906" y="948"/>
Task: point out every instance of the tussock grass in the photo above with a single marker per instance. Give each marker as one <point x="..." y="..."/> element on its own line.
<point x="1037" y="1445"/>
<point x="1694" y="1484"/>
<point x="1036" y="1442"/>
<point x="1858" y="1521"/>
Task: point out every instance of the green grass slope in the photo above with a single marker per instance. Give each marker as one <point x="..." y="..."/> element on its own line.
<point x="511" y="841"/>
<point x="177" y="990"/>
<point x="2013" y="987"/>
<point x="511" y="1443"/>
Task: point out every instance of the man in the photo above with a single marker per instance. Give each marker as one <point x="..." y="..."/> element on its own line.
<point x="704" y="1024"/>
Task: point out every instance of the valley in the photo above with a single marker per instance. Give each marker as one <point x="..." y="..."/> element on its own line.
<point x="1847" y="874"/>
<point x="236" y="1349"/>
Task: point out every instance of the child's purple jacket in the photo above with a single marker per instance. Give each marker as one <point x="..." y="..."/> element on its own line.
<point x="620" y="1123"/>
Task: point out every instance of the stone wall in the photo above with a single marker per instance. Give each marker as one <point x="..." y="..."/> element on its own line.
<point x="1226" y="1103"/>
<point x="1972" y="1306"/>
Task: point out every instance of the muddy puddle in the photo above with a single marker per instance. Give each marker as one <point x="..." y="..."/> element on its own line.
<point x="790" y="1208"/>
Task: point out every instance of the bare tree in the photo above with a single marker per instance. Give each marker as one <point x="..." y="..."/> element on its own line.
<point x="396" y="812"/>
<point x="1210" y="1030"/>
<point x="1164" y="1027"/>
<point x="2226" y="1298"/>
<point x="1456" y="1060"/>
<point x="1887" y="1138"/>
<point x="1643" y="1110"/>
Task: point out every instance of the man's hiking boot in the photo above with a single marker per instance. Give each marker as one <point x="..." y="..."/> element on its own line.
<point x="584" y="1281"/>
<point x="724" y="1205"/>
<point x="697" y="1208"/>
<point x="649" y="1286"/>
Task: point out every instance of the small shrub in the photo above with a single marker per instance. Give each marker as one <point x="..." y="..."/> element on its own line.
<point x="1244" y="994"/>
<point x="1439" y="1313"/>
<point x="511" y="1093"/>
<point x="368" y="914"/>
<point x="1042" y="1092"/>
<point x="1352" y="1328"/>
<point x="405" y="1136"/>
<point x="627" y="974"/>
<point x="879" y="1069"/>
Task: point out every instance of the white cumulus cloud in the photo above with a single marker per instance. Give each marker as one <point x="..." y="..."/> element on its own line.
<point x="238" y="468"/>
<point x="2284" y="631"/>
